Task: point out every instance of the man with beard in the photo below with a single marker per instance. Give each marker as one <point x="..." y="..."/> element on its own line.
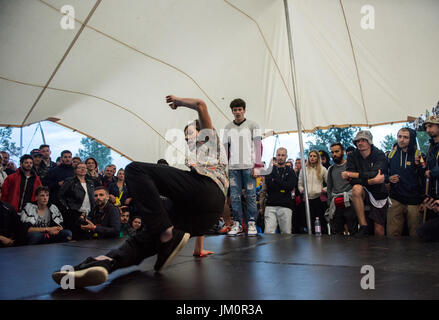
<point x="280" y="182"/>
<point x="364" y="171"/>
<point x="104" y="220"/>
<point x="406" y="176"/>
<point x="56" y="176"/>
<point x="39" y="168"/>
<point x="19" y="187"/>
<point x="429" y="231"/>
<point x="45" y="150"/>
<point x="340" y="211"/>
<point x="5" y="162"/>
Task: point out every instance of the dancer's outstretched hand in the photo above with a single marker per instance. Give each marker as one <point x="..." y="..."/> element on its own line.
<point x="172" y="101"/>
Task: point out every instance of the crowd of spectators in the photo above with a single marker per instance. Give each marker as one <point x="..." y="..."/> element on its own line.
<point x="45" y="201"/>
<point x="357" y="191"/>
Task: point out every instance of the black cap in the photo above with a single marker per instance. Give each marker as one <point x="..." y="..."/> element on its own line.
<point x="36" y="152"/>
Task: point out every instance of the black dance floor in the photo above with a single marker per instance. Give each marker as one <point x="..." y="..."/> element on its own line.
<point x="267" y="267"/>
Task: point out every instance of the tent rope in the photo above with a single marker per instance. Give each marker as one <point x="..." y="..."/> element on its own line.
<point x="355" y="61"/>
<point x="148" y="56"/>
<point x="270" y="52"/>
<point x="62" y="60"/>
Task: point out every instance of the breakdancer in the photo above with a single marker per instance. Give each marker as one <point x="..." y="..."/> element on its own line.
<point x="198" y="196"/>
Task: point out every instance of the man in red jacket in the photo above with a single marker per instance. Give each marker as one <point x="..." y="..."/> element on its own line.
<point x="19" y="187"/>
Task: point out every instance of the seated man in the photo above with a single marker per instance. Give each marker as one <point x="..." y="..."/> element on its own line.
<point x="42" y="221"/>
<point x="11" y="230"/>
<point x="124" y="222"/>
<point x="364" y="171"/>
<point x="429" y="231"/>
<point x="104" y="220"/>
<point x="340" y="211"/>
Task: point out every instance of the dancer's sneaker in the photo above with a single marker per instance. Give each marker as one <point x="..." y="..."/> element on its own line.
<point x="90" y="272"/>
<point x="252" y="231"/>
<point x="362" y="232"/>
<point x="236" y="229"/>
<point x="168" y="250"/>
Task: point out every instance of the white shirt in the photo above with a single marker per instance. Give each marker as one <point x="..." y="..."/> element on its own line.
<point x="241" y="139"/>
<point x="85" y="207"/>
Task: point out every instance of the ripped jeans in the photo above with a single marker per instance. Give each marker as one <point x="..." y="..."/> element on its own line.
<point x="242" y="179"/>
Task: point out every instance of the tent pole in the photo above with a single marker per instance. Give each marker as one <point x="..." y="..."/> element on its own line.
<point x="299" y="127"/>
<point x="42" y="133"/>
<point x="21" y="141"/>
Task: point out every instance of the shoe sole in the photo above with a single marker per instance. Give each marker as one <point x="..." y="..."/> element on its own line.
<point x="83" y="278"/>
<point x="236" y="234"/>
<point x="252" y="234"/>
<point x="177" y="249"/>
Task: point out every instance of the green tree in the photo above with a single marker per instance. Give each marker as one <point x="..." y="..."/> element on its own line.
<point x="95" y="150"/>
<point x="6" y="144"/>
<point x="423" y="141"/>
<point x="388" y="142"/>
<point x="324" y="138"/>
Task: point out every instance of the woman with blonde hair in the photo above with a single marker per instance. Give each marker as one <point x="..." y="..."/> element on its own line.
<point x="316" y="175"/>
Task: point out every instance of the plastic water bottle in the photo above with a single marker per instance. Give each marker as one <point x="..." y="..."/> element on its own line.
<point x="318" y="227"/>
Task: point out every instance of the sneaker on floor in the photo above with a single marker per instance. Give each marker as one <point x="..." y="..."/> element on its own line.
<point x="362" y="233"/>
<point x="224" y="229"/>
<point x="90" y="272"/>
<point x="236" y="229"/>
<point x="168" y="250"/>
<point x="252" y="231"/>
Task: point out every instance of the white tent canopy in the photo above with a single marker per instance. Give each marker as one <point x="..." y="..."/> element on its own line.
<point x="108" y="77"/>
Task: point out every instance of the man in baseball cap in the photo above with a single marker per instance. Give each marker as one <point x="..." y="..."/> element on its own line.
<point x="364" y="171"/>
<point x="38" y="169"/>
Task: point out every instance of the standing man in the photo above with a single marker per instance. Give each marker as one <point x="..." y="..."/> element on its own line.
<point x="340" y="211"/>
<point x="39" y="168"/>
<point x="5" y="162"/>
<point x="57" y="175"/>
<point x="429" y="231"/>
<point x="47" y="162"/>
<point x="19" y="187"/>
<point x="242" y="139"/>
<point x="405" y="174"/>
<point x="432" y="173"/>
<point x="280" y="182"/>
<point x="108" y="177"/>
<point x="364" y="171"/>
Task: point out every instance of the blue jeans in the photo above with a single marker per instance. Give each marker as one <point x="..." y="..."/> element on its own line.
<point x="39" y="237"/>
<point x="242" y="179"/>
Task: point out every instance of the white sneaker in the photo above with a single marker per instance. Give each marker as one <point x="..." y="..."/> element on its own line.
<point x="236" y="229"/>
<point x="252" y="231"/>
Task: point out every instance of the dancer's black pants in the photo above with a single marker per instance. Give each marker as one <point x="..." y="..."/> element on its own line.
<point x="197" y="200"/>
